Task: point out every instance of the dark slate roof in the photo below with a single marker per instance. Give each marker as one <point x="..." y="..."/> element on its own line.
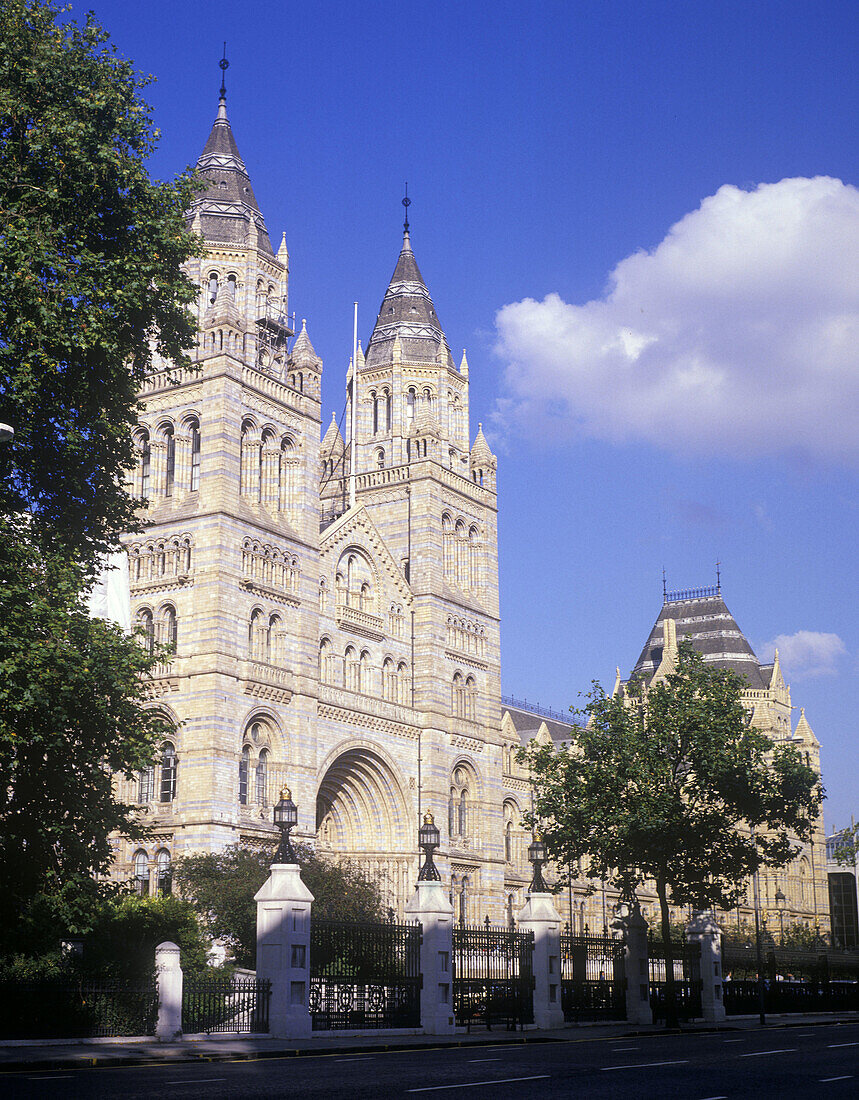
<point x="407" y="311"/>
<point x="705" y="621"/>
<point x="228" y="204"/>
<point x="527" y="725"/>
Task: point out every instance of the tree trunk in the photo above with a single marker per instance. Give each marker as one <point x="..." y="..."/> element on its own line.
<point x="671" y="1019"/>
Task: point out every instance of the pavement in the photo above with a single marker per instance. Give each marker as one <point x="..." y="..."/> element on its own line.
<point x="19" y="1054"/>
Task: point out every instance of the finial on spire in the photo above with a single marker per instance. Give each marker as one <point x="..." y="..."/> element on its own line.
<point x="224" y="65"/>
<point x="664" y="588"/>
<point x="719" y="578"/>
<point x="407" y="202"/>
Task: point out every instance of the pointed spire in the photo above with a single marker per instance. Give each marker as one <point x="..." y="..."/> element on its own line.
<point x="361" y="357"/>
<point x="481" y="451"/>
<point x="228" y="204"/>
<point x="332" y="441"/>
<point x="407" y="313"/>
<point x="303" y="353"/>
<point x="463" y="365"/>
<point x="803" y="729"/>
<point x="283" y="251"/>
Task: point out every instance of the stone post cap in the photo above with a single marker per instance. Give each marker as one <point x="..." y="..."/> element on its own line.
<point x="167" y="954"/>
<point x="703" y="924"/>
<point x="284" y="883"/>
<point x="430" y="896"/>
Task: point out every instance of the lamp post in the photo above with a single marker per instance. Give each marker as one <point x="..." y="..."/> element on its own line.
<point x="780" y="899"/>
<point x="537" y="857"/>
<point x="285" y="816"/>
<point x="428" y="840"/>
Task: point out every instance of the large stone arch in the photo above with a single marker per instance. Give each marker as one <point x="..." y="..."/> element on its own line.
<point x="361" y="804"/>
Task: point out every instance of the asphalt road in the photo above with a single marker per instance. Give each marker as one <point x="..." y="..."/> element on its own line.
<point x="818" y="1061"/>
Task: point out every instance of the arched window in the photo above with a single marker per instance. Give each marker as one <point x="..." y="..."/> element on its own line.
<point x="458" y="700"/>
<point x="463" y="813"/>
<point x="410" y="408"/>
<point x="473" y="579"/>
<point x="464" y="891"/>
<point x="256" y="636"/>
<point x="389" y="680"/>
<point x="169" y="768"/>
<point x="326" y="662"/>
<point x="508" y="842"/>
<point x="364" y="672"/>
<point x="403" y="682"/>
<point x="452" y="814"/>
<point x="447" y="540"/>
<point x="213" y="287"/>
<point x="262" y="778"/>
<point x="460" y="550"/>
<point x="375" y="411"/>
<point x="353" y="669"/>
<point x="380" y="458"/>
<point x="145" y="465"/>
<point x="470" y="699"/>
<point x="163" y="873"/>
<point x="195" y="456"/>
<point x="388" y="410"/>
<point x="141" y="873"/>
<point x="459" y="819"/>
<point x="511" y="919"/>
<point x="169" y="627"/>
<point x="274" y="640"/>
<point x="146" y="624"/>
<point x="323" y="596"/>
<point x="244" y="769"/>
<point x="170" y="460"/>
<point x="231" y="286"/>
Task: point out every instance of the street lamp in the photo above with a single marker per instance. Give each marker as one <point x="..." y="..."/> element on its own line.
<point x="285" y="816"/>
<point x="537" y="857"/>
<point x="428" y="840"/>
<point x="780" y="899"/>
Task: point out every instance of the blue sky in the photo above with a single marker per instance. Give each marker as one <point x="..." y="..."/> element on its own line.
<point x="641" y="220"/>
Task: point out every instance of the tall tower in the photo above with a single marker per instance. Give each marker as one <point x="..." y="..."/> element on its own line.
<point x="227" y="570"/>
<point x="424" y="526"/>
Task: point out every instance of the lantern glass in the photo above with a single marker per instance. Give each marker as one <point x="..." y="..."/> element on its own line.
<point x="537" y="851"/>
<point x="285" y="812"/>
<point x="428" y="834"/>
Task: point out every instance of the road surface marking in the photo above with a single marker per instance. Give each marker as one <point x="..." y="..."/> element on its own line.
<point x="715" y="1098"/>
<point x="473" y="1060"/>
<point x="195" y="1081"/>
<point x="646" y="1065"/>
<point x="53" y="1077"/>
<point x="832" y="1046"/>
<point x="758" y="1053"/>
<point x="475" y="1084"/>
<point x="733" y="1040"/>
<point x="847" y="1077"/>
<point x="616" y="1049"/>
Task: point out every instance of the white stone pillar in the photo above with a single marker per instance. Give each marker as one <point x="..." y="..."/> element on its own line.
<point x="431" y="906"/>
<point x="168" y="980"/>
<point x="283" y="949"/>
<point x="703" y="929"/>
<point x="539" y="915"/>
<point x="634" y="928"/>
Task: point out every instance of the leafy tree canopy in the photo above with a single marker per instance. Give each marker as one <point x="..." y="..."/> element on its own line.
<point x="90" y="278"/>
<point x="221" y="886"/>
<point x="71" y="716"/>
<point x="671" y="784"/>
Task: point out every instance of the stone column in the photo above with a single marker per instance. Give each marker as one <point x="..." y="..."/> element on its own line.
<point x="634" y="928"/>
<point x="168" y="980"/>
<point x="430" y="905"/>
<point x="283" y="949"/>
<point x="539" y="915"/>
<point x="703" y="929"/>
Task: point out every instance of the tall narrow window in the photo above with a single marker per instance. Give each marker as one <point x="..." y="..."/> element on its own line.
<point x="141" y="873"/>
<point x="170" y="461"/>
<point x="145" y="465"/>
<point x="169" y="627"/>
<point x="213" y="288"/>
<point x="169" y="766"/>
<point x="147" y="784"/>
<point x="375" y="402"/>
<point x="388" y="411"/>
<point x="244" y="769"/>
<point x="163" y="873"/>
<point x="262" y="777"/>
<point x="463" y="814"/>
<point x="452" y="818"/>
<point x="508" y="842"/>
<point x="410" y="409"/>
<point x="195" y="457"/>
<point x="147" y="625"/>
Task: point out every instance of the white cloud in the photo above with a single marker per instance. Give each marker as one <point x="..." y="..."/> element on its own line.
<point x="806" y="653"/>
<point x="737" y="335"/>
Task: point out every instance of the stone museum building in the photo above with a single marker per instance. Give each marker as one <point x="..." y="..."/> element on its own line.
<point x="331" y="591"/>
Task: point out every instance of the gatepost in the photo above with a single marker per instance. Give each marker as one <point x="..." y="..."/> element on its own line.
<point x="539" y="915"/>
<point x="283" y="933"/>
<point x="168" y="980"/>
<point x="431" y="906"/>
<point x="634" y="928"/>
<point x="703" y="929"/>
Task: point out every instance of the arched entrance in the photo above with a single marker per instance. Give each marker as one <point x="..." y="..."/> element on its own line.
<point x="362" y="813"/>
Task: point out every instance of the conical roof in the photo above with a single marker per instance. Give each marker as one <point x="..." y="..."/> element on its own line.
<point x="407" y="312"/>
<point x="702" y="617"/>
<point x="481" y="451"/>
<point x="332" y="441"/>
<point x="228" y="204"/>
<point x="303" y="351"/>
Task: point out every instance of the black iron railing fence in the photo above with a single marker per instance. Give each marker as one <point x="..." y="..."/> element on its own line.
<point x="77" y="1008"/>
<point x="593" y="978"/>
<point x="364" y="975"/>
<point x="213" y="1004"/>
<point x="493" y="977"/>
<point x="687" y="979"/>
<point x="795" y="980"/>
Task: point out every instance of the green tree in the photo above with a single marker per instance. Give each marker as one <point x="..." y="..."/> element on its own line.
<point x="672" y="785"/>
<point x="90" y="277"/>
<point x="91" y="287"/>
<point x="847" y="846"/>
<point x="72" y="693"/>
<point x="221" y="886"/>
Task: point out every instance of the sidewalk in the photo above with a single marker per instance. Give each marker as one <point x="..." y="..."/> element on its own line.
<point x="69" y="1054"/>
